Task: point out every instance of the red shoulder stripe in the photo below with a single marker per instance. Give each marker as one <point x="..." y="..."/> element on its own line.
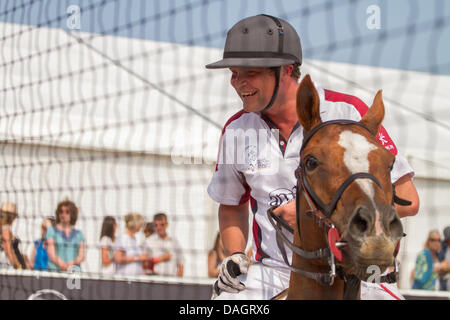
<point x="234" y="117"/>
<point x="383" y="137"/>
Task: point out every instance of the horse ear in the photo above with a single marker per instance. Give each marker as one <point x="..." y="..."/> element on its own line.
<point x="375" y="115"/>
<point x="308" y="104"/>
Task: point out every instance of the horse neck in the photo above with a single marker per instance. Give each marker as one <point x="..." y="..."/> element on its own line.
<point x="301" y="287"/>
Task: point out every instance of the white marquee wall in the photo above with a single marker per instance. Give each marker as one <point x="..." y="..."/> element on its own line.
<point x="120" y="94"/>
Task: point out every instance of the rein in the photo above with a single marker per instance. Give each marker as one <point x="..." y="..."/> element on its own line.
<point x="322" y="213"/>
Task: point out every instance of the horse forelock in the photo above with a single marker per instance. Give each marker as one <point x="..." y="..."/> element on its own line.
<point x="356" y="158"/>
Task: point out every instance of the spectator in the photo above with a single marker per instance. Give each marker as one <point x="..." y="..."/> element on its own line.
<point x="10" y="255"/>
<point x="164" y="249"/>
<point x="148" y="265"/>
<point x="128" y="255"/>
<point x="215" y="257"/>
<point x="65" y="245"/>
<point x="427" y="264"/>
<point x="39" y="256"/>
<point x="107" y="238"/>
<point x="149" y="229"/>
<point x="444" y="255"/>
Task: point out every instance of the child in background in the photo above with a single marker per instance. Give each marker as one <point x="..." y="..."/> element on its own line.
<point x="107" y="238"/>
<point x="39" y="255"/>
<point x="149" y="263"/>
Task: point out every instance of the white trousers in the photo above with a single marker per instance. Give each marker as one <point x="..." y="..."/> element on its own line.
<point x="263" y="283"/>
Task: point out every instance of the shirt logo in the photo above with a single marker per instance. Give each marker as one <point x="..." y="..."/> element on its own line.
<point x="281" y="196"/>
<point x="253" y="162"/>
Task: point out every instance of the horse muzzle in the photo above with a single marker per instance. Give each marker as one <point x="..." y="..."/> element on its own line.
<point x="372" y="236"/>
<point x="367" y="222"/>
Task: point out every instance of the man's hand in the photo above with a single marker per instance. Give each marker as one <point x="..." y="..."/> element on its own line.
<point x="230" y="269"/>
<point x="287" y="212"/>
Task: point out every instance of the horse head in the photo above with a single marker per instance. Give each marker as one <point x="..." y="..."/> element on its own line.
<point x="346" y="170"/>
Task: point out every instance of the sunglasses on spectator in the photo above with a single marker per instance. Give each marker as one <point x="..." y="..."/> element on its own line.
<point x="435" y="240"/>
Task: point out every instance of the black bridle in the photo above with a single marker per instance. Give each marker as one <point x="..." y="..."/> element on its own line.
<point x="322" y="213"/>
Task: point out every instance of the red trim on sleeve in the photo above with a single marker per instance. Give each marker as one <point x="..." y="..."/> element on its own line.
<point x="255" y="230"/>
<point x="246" y="196"/>
<point x="383" y="137"/>
<point x="234" y="117"/>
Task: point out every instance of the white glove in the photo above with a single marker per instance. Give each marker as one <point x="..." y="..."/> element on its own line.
<point x="230" y="268"/>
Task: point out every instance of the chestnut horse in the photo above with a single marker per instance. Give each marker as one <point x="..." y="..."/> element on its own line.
<point x="346" y="221"/>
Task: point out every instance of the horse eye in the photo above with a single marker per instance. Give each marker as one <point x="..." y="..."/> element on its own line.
<point x="311" y="163"/>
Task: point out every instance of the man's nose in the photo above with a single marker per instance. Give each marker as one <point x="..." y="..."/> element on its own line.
<point x="239" y="80"/>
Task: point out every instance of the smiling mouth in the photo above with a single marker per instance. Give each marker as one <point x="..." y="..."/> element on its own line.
<point x="246" y="95"/>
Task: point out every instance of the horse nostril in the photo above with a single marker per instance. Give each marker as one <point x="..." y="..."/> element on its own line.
<point x="359" y="221"/>
<point x="396" y="227"/>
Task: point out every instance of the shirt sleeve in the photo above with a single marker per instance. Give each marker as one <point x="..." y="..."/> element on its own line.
<point x="119" y="244"/>
<point x="178" y="252"/>
<point x="50" y="233"/>
<point x="146" y="247"/>
<point x="105" y="242"/>
<point x="228" y="185"/>
<point x="401" y="168"/>
<point x="80" y="236"/>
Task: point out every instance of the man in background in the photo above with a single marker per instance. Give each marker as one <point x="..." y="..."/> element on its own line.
<point x="163" y="249"/>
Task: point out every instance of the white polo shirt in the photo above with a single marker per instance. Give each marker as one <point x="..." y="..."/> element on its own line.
<point x="256" y="165"/>
<point x="156" y="246"/>
<point x="129" y="245"/>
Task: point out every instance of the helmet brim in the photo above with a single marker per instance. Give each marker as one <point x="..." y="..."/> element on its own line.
<point x="250" y="63"/>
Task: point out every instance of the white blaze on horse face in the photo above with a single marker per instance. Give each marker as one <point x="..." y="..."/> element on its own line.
<point x="356" y="158"/>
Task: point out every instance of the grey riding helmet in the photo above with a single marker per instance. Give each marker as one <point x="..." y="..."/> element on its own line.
<point x="261" y="41"/>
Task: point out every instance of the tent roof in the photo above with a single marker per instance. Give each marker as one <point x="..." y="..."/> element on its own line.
<point x="82" y="90"/>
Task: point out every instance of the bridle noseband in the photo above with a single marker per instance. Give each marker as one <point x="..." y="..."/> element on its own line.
<point x="322" y="213"/>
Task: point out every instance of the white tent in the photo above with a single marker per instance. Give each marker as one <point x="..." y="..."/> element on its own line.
<point x="88" y="115"/>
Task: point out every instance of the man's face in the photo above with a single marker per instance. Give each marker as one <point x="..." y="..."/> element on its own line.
<point x="160" y="226"/>
<point x="254" y="86"/>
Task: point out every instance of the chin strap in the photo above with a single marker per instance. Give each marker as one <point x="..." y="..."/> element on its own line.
<point x="275" y="91"/>
<point x="280" y="51"/>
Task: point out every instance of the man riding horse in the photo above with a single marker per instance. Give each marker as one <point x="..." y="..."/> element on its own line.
<point x="264" y="56"/>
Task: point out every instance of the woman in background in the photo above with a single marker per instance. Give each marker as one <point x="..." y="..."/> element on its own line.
<point x="428" y="265"/>
<point x="128" y="255"/>
<point x="10" y="255"/>
<point x="65" y="244"/>
<point x="107" y="238"/>
<point x="215" y="257"/>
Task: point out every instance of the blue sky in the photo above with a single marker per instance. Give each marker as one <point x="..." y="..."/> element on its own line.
<point x="413" y="35"/>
